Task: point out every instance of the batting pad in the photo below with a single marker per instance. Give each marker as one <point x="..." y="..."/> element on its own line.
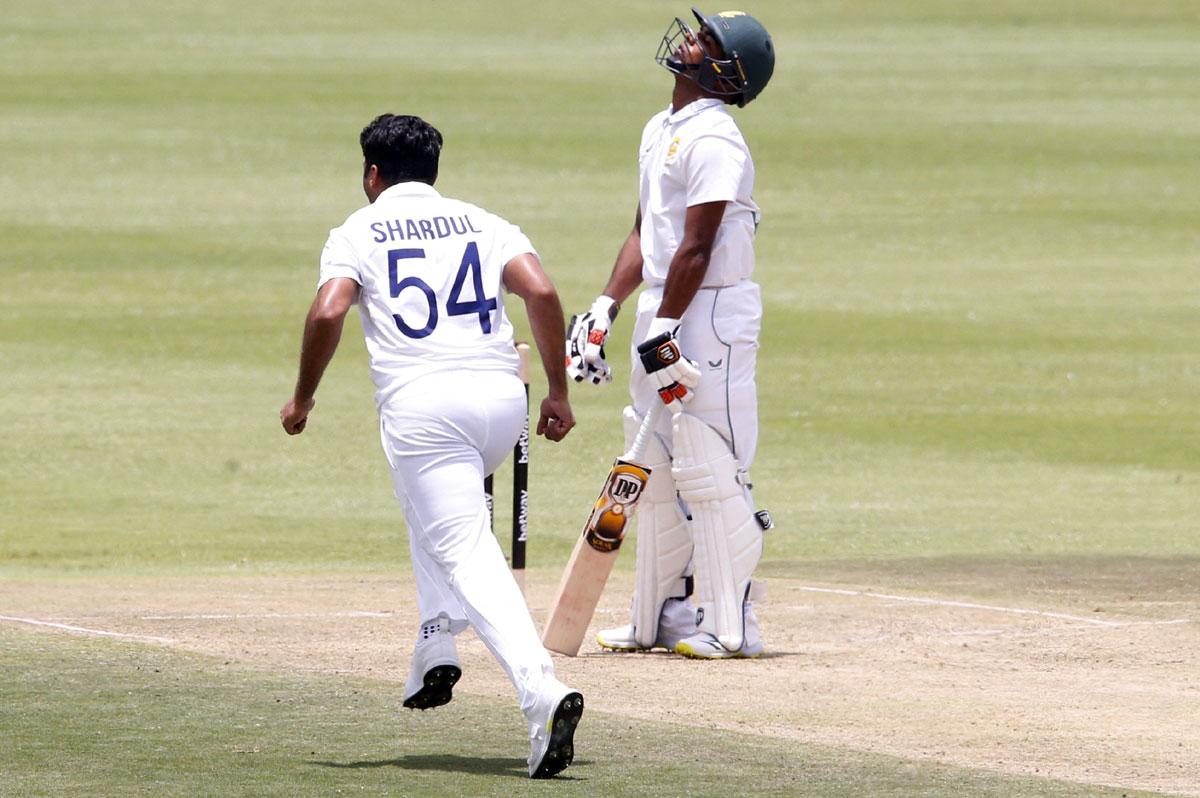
<point x="664" y="545"/>
<point x="728" y="540"/>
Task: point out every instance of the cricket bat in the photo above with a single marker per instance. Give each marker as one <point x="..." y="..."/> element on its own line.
<point x="596" y="550"/>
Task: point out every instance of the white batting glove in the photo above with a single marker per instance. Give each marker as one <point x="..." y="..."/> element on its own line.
<point x="585" y="342"/>
<point x="675" y="375"/>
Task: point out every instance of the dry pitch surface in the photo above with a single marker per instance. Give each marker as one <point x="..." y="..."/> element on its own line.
<point x="1103" y="695"/>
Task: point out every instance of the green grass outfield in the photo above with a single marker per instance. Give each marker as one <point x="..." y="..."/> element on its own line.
<point x="979" y="256"/>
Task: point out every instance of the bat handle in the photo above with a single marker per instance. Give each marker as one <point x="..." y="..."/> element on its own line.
<point x="644" y="432"/>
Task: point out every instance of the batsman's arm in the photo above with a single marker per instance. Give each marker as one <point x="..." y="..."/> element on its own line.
<point x="589" y="331"/>
<point x="627" y="271"/>
<point x="690" y="262"/>
<point x="524" y="276"/>
<point x="322" y="333"/>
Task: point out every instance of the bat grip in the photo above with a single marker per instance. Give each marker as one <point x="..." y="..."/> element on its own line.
<point x="644" y="432"/>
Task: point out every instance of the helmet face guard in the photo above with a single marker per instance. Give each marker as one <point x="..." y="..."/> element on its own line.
<point x="721" y="77"/>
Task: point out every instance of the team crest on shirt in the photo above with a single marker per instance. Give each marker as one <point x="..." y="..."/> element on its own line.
<point x="673" y="150"/>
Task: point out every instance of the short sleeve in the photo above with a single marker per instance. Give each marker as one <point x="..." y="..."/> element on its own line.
<point x="339" y="259"/>
<point x="510" y="241"/>
<point x="714" y="168"/>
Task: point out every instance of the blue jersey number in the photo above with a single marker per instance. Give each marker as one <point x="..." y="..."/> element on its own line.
<point x="481" y="306"/>
<point x="394" y="258"/>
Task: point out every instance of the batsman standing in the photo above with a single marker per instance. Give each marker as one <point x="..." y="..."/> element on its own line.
<point x="695" y="341"/>
<point x="426" y="272"/>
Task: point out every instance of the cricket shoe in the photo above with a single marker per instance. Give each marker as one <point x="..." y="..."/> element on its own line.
<point x="704" y="644"/>
<point x="552" y="730"/>
<point x="622" y="639"/>
<point x="435" y="668"/>
<point x="676" y="622"/>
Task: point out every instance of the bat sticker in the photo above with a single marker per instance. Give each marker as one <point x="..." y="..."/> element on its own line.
<point x="615" y="505"/>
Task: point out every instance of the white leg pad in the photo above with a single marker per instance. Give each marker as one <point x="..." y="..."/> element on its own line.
<point x="664" y="544"/>
<point x="728" y="540"/>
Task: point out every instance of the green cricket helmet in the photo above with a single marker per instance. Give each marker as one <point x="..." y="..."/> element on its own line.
<point x="749" y="55"/>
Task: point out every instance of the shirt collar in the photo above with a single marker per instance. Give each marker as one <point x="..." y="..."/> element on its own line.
<point x="413" y="188"/>
<point x="692" y="108"/>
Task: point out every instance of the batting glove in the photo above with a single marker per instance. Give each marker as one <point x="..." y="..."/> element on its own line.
<point x="674" y="374"/>
<point x="585" y="342"/>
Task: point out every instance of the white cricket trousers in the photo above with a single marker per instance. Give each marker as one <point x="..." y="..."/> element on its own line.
<point x="441" y="434"/>
<point x="719" y="331"/>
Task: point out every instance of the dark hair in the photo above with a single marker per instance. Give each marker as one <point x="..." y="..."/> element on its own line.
<point x="403" y="148"/>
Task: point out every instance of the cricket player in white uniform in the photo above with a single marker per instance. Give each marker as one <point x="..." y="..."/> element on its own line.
<point x="427" y="274"/>
<point x="695" y="342"/>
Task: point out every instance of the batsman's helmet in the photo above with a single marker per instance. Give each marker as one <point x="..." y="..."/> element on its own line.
<point x="749" y="55"/>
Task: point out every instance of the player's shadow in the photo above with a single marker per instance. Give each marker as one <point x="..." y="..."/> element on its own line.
<point x="450" y="763"/>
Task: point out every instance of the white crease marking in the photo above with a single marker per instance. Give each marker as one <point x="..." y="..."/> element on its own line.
<point x="989" y="607"/>
<point x="66" y="627"/>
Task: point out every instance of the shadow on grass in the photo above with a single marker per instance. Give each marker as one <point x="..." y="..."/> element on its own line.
<point x="451" y="763"/>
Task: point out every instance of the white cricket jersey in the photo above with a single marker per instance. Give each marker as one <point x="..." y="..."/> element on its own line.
<point x="430" y="271"/>
<point x="690" y="157"/>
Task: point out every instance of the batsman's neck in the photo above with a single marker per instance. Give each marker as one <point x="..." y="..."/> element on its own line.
<point x="686" y="91"/>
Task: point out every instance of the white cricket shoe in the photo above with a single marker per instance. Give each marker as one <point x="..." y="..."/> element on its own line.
<point x="435" y="668"/>
<point x="677" y="621"/>
<point x="704" y="645"/>
<point x="552" y="725"/>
